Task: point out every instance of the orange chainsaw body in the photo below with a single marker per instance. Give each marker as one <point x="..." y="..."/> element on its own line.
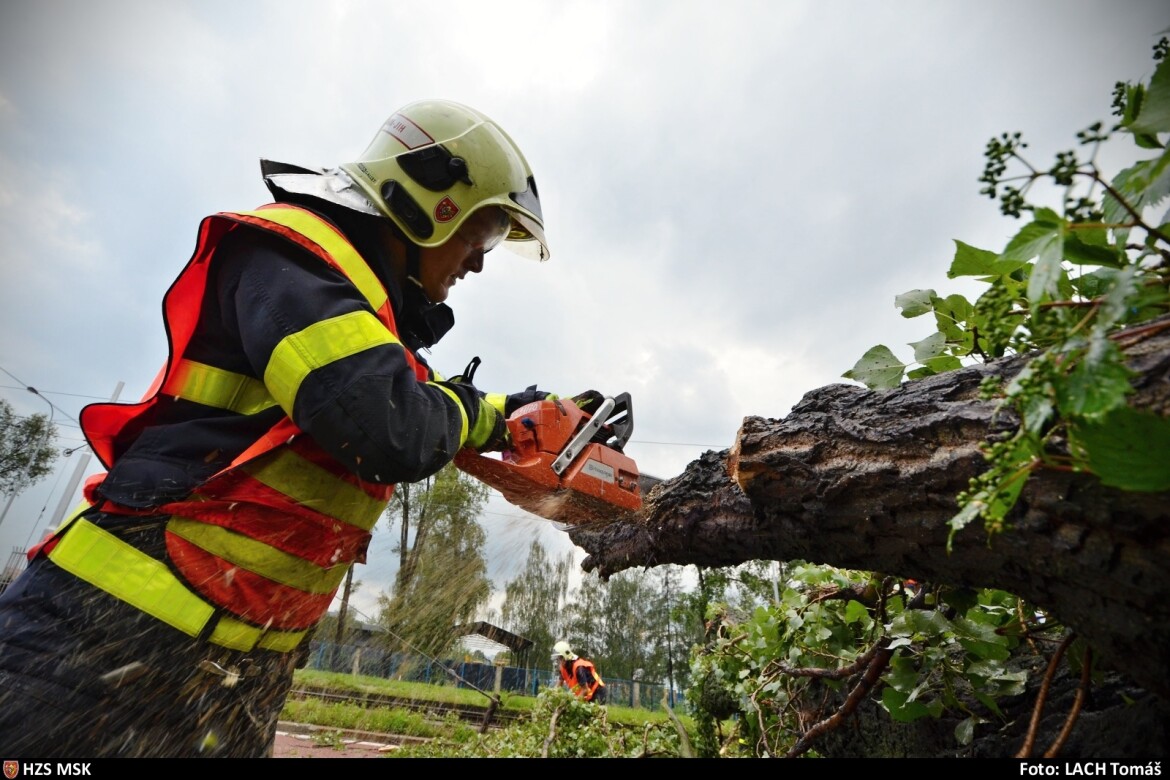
<point x="558" y="469"/>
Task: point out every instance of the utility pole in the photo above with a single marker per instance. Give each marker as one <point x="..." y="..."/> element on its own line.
<point x="669" y="635"/>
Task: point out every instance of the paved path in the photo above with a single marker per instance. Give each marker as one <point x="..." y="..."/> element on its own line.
<point x="291" y="742"/>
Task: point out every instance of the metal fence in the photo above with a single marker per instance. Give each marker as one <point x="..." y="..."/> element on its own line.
<point x="411" y="667"/>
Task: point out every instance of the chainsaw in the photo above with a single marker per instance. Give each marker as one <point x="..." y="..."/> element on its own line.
<point x="565" y="464"/>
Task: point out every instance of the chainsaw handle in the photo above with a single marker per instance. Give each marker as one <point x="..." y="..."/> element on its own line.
<point x="619" y="424"/>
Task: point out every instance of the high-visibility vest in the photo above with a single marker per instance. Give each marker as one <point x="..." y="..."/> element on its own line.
<point x="269" y="538"/>
<point x="569" y="675"/>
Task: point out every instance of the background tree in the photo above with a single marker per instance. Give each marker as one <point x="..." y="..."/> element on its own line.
<point x="444" y="581"/>
<point x="533" y="605"/>
<point x="26" y="449"/>
<point x="636" y="621"/>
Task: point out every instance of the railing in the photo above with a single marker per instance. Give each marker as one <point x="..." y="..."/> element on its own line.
<point x="375" y="662"/>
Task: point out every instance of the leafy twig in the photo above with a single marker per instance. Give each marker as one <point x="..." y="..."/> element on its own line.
<point x="1042" y="696"/>
<point x="1078" y="703"/>
<point x="552" y="730"/>
<point x="880" y="655"/>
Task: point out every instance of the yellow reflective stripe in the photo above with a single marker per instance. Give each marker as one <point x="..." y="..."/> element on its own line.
<point x="219" y="388"/>
<point x="310" y="485"/>
<point x="319" y="345"/>
<point x="324" y="236"/>
<point x="232" y="633"/>
<point x="462" y="412"/>
<point x="128" y="574"/>
<point x="258" y="557"/>
<point x="498" y="401"/>
<point x="107" y="562"/>
<point x="485" y="423"/>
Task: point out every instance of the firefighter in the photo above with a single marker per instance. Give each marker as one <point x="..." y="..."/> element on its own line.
<point x="166" y="618"/>
<point x="578" y="674"/>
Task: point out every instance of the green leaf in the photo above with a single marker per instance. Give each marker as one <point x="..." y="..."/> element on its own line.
<point x="950" y="314"/>
<point x="971" y="629"/>
<point x="943" y="363"/>
<point x="1032" y="238"/>
<point x="965" y="731"/>
<point x="1095" y="283"/>
<point x="1127" y="449"/>
<point x="1044" y="283"/>
<point x="971" y="261"/>
<point x="900" y="707"/>
<point x="964" y="517"/>
<point x="902" y="674"/>
<point x="1098" y="383"/>
<point x="931" y="346"/>
<point x="855" y="612"/>
<point x="1079" y="252"/>
<point x="1154" y="116"/>
<point x="915" y="302"/>
<point x="985" y="650"/>
<point x="1142" y="184"/>
<point x="962" y="599"/>
<point x="878" y="369"/>
<point x="920" y="622"/>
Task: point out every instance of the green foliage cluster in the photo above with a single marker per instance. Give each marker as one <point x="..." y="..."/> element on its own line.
<point x="769" y="678"/>
<point x="1067" y="286"/>
<point x="561" y="726"/>
<point x="26" y="449"/>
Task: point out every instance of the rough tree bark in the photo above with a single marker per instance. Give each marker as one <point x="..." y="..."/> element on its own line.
<point x="867" y="480"/>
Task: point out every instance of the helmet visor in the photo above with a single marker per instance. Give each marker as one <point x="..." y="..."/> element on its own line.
<point x="526" y="237"/>
<point x="485" y="229"/>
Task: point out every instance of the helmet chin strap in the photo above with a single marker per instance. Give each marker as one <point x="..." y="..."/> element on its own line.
<point x="413" y="268"/>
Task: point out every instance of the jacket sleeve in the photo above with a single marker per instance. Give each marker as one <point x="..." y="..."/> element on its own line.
<point x="338" y="373"/>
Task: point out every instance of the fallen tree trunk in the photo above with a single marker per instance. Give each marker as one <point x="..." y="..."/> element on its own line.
<point x="867" y="480"/>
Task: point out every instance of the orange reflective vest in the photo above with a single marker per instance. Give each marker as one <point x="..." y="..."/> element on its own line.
<point x="270" y="537"/>
<point x="569" y="675"/>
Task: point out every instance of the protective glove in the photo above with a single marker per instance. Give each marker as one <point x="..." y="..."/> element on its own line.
<point x="490" y="432"/>
<point x="589" y="401"/>
<point x="514" y="401"/>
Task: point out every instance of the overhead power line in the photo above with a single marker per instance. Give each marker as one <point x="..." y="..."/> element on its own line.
<point x="52" y="392"/>
<point x="35" y="391"/>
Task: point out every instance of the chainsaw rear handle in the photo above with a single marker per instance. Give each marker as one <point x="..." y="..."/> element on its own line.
<point x="619" y="425"/>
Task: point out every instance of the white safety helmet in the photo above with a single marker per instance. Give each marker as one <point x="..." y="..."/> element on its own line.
<point x="561" y="650"/>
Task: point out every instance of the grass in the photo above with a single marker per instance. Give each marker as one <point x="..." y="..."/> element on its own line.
<point x="348" y="715"/>
<point x="356" y="717"/>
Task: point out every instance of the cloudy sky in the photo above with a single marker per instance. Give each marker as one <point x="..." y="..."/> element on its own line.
<point x="734" y="192"/>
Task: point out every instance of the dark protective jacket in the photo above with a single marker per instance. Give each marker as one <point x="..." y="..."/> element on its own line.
<point x="582" y="678"/>
<point x="293" y="399"/>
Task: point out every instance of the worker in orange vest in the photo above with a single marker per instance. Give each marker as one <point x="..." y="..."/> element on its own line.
<point x="578" y="674"/>
<point x="166" y="618"/>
